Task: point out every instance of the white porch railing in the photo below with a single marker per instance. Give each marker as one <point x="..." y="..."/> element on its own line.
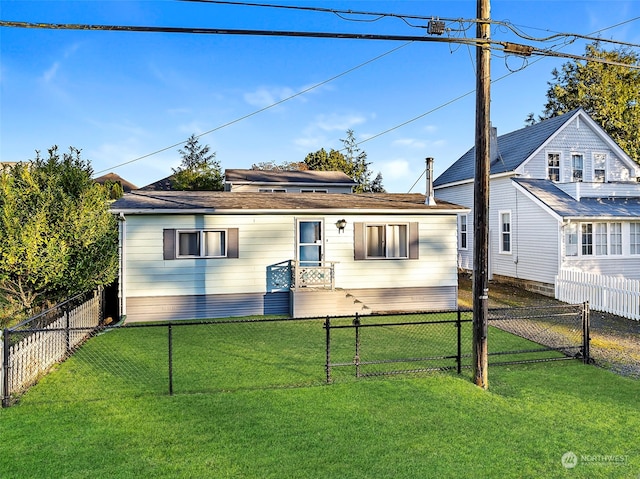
<point x="608" y="294"/>
<point x="313" y="274"/>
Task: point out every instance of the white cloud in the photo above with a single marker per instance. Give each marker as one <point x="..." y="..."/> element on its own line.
<point x="394" y="169"/>
<point x="341" y="122"/>
<point x="193" y="127"/>
<point x="265" y="96"/>
<point x="410" y="143"/>
<point x="50" y="74"/>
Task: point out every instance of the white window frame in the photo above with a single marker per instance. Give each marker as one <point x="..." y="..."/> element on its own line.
<point x="571" y="247"/>
<point x="559" y="154"/>
<point x="313" y="190"/>
<point x="634" y="233"/>
<point x="502" y="234"/>
<point x="463" y="228"/>
<point x="615" y="239"/>
<point x="201" y="243"/>
<point x="605" y="166"/>
<point x="587" y="239"/>
<point x="272" y="190"/>
<point x="600" y="239"/>
<point x="385" y="242"/>
<point x="574" y="170"/>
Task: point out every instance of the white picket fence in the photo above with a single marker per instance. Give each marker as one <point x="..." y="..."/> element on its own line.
<point x="32" y="356"/>
<point x="608" y="294"/>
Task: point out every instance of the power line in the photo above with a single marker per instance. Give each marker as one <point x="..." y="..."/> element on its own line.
<point x="379" y="15"/>
<point x="249" y="115"/>
<point x="507" y="47"/>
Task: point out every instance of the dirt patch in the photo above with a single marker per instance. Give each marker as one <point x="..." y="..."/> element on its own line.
<point x="615" y="341"/>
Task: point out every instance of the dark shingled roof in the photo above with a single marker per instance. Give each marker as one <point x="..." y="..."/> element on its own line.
<point x="513" y="149"/>
<point x="212" y="201"/>
<point x="115" y="178"/>
<point x="565" y="205"/>
<point x="271" y="176"/>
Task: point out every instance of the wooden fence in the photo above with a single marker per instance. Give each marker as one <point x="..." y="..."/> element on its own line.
<point x="27" y="354"/>
<point x="608" y="294"/>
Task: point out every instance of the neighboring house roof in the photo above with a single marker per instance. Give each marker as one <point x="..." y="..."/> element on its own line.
<point x="565" y="206"/>
<point x="263" y="203"/>
<point x="165" y="184"/>
<point x="239" y="176"/>
<point x="513" y="149"/>
<point x="115" y="178"/>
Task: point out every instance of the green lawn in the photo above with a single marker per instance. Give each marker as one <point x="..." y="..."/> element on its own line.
<point x="256" y="405"/>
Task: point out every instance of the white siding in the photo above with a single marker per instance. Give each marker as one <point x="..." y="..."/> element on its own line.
<point x="462" y="195"/>
<point x="534" y="233"/>
<point x="576" y="137"/>
<point x="270" y="239"/>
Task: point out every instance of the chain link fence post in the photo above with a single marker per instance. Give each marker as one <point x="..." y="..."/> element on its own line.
<point x="5" y="368"/>
<point x="586" y="354"/>
<point x="356" y="359"/>
<point x="170" y="338"/>
<point x="327" y="327"/>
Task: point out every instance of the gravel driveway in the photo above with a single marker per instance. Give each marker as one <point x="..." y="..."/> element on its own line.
<point x="615" y="341"/>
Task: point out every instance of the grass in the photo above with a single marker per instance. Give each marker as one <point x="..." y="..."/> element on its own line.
<point x="106" y="413"/>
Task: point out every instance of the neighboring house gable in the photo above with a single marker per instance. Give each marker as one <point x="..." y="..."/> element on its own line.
<point x="561" y="175"/>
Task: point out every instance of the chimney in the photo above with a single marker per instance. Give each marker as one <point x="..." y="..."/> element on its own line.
<point x="430" y="200"/>
<point x="494" y="154"/>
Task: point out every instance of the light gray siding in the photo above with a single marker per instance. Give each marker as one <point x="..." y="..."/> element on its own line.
<point x="164" y="308"/>
<point x="462" y="195"/>
<point x="576" y="137"/>
<point x="239" y="286"/>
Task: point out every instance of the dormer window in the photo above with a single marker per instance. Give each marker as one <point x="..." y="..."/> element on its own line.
<point x="577" y="167"/>
<point x="553" y="166"/>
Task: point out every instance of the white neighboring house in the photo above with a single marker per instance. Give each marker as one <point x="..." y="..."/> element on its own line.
<point x="188" y="255"/>
<point x="563" y="197"/>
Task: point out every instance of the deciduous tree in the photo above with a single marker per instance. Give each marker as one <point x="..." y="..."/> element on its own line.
<point x="352" y="162"/>
<point x="57" y="237"/>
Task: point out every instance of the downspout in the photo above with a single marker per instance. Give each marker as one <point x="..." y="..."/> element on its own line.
<point x="122" y="223"/>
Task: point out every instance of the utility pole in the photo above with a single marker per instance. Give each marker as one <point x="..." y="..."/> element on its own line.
<point x="481" y="199"/>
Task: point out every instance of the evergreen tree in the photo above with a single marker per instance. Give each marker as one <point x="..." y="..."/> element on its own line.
<point x="199" y="170"/>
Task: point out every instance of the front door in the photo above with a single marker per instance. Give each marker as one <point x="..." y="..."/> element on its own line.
<point x="310" y="242"/>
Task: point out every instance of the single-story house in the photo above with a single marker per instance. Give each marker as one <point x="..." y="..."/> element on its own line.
<point x="206" y="254"/>
<point x="563" y="197"/>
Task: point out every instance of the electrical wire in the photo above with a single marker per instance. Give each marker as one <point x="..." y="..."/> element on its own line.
<point x="249" y="115"/>
<point x="503" y="23"/>
<point x="569" y="38"/>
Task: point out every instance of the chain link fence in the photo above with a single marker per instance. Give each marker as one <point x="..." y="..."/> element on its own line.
<point x="97" y="361"/>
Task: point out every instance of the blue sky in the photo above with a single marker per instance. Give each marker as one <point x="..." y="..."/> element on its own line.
<point x="120" y="96"/>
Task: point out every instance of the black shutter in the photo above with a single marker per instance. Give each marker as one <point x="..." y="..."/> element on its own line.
<point x="169" y="243"/>
<point x="232" y="243"/>
<point x="414" y="241"/>
<point x="359" y="247"/>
